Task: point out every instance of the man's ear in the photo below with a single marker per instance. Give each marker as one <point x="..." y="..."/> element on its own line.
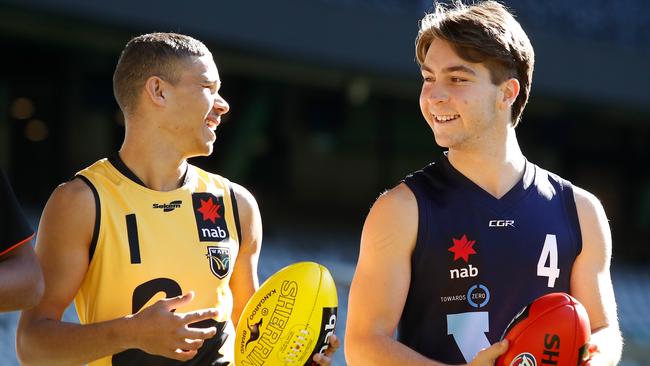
<point x="509" y="92"/>
<point x="154" y="90"/>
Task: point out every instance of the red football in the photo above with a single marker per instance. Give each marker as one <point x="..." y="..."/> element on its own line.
<point x="552" y="330"/>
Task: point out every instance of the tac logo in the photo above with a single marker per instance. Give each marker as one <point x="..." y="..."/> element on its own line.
<point x="462" y="248"/>
<point x="501" y="223"/>
<point x="219" y="258"/>
<point x="478" y="296"/>
<point x="167" y="207"/>
<point x="210" y="219"/>
<point x="524" y="359"/>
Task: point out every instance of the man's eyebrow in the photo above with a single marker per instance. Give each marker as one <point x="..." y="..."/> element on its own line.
<point x="458" y="68"/>
<point x="450" y="69"/>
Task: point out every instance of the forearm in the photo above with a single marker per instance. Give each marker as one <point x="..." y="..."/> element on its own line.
<point x="383" y="351"/>
<point x="21" y="283"/>
<point x="610" y="346"/>
<point x="54" y="342"/>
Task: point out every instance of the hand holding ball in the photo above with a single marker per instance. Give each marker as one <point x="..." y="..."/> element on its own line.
<point x="553" y="330"/>
<point x="289" y="319"/>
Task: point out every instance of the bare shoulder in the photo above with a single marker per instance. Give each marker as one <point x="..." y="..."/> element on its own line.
<point x="392" y="222"/>
<point x="249" y="212"/>
<point x="397" y="205"/>
<point x="249" y="216"/>
<point x="596" y="235"/>
<point x="587" y="202"/>
<point x="69" y="213"/>
<point x="593" y="220"/>
<point x="245" y="199"/>
<point x="398" y="200"/>
<point x="74" y="193"/>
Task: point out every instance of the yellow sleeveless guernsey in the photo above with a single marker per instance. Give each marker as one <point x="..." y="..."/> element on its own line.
<point x="149" y="245"/>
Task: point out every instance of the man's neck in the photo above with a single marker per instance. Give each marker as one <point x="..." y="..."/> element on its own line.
<point x="158" y="170"/>
<point x="496" y="169"/>
<point x="156" y="161"/>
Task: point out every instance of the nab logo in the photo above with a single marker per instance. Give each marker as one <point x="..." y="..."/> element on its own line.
<point x="166" y="207"/>
<point x="501" y="223"/>
<point x="209" y="212"/>
<point x="218" y="233"/>
<point x="471" y="271"/>
<point x="462" y="248"/>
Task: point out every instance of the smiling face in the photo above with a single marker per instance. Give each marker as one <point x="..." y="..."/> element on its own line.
<point x="461" y="104"/>
<point x="195" y="107"/>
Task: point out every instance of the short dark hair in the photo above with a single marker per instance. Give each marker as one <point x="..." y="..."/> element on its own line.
<point x="153" y="54"/>
<point x="485" y="32"/>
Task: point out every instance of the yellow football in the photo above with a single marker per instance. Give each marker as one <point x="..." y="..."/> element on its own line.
<point x="289" y="319"/>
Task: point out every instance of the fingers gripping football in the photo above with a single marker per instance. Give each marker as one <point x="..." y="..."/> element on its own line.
<point x="325" y="358"/>
<point x="487" y="356"/>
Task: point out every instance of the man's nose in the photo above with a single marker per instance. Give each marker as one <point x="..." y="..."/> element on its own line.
<point x="437" y="94"/>
<point x="221" y="106"/>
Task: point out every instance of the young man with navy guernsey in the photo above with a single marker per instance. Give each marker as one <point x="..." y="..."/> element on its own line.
<point x="451" y="254"/>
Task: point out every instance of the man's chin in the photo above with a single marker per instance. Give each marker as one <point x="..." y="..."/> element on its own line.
<point x="441" y="141"/>
<point x="205" y="150"/>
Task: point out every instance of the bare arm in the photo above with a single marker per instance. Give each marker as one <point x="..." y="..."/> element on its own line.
<point x="591" y="282"/>
<point x="64" y="234"/>
<point x="244" y="281"/>
<point x="62" y="246"/>
<point x="21" y="279"/>
<point x="389" y="236"/>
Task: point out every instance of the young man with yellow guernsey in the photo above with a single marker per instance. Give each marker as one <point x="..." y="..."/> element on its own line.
<point x="159" y="256"/>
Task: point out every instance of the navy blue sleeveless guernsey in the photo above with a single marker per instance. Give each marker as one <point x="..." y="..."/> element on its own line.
<point x="478" y="260"/>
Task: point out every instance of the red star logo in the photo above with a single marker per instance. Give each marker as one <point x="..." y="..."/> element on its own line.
<point x="462" y="248"/>
<point x="209" y="210"/>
